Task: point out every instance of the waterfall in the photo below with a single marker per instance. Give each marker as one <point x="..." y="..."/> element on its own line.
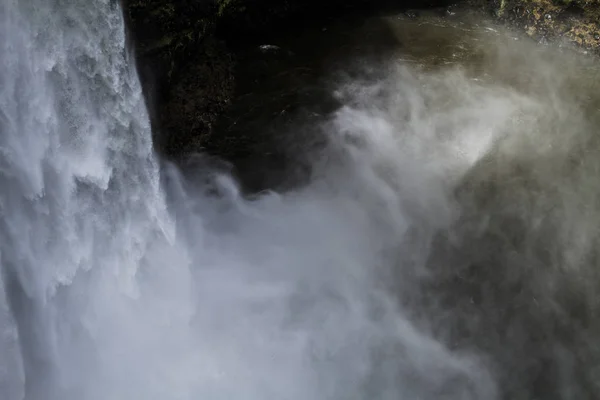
<point x="81" y="203"/>
<point x="108" y="294"/>
<point x="122" y="279"/>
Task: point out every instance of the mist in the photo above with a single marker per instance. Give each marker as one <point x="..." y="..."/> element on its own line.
<point x="444" y="246"/>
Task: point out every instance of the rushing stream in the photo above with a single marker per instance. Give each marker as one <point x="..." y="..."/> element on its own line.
<point x="444" y="247"/>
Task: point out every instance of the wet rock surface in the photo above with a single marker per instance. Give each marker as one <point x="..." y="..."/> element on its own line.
<point x="571" y="21"/>
<point x="209" y="67"/>
<point x="227" y="77"/>
<point x="187" y="74"/>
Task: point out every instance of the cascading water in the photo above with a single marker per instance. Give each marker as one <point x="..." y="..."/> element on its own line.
<point x="115" y="286"/>
<point x="81" y="202"/>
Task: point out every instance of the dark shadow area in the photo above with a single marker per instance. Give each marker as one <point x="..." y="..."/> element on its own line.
<point x="247" y="86"/>
<point x="260" y="20"/>
<point x="284" y="90"/>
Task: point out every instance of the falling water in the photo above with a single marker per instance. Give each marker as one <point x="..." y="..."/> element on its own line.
<point x="81" y="204"/>
<point x="443" y="249"/>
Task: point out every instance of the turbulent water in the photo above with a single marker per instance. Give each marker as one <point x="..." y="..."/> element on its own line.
<point x="445" y="247"/>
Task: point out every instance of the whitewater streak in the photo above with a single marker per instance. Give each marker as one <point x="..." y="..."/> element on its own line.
<point x="115" y="285"/>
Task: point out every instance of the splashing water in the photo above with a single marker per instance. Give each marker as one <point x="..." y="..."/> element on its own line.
<point x="358" y="285"/>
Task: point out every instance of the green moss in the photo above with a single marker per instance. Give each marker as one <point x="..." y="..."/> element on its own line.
<point x="223" y="6"/>
<point x="227" y="8"/>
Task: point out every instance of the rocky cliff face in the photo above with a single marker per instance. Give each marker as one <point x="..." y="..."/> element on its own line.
<point x="186" y="62"/>
<point x="187" y="51"/>
<point x="186" y="72"/>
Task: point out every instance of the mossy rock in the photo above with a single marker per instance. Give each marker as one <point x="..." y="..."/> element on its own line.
<point x="575" y="21"/>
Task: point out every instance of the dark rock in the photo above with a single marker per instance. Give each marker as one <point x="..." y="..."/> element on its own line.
<point x="519" y="11"/>
<point x="201" y="93"/>
<point x="188" y="50"/>
<point x="187" y="55"/>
